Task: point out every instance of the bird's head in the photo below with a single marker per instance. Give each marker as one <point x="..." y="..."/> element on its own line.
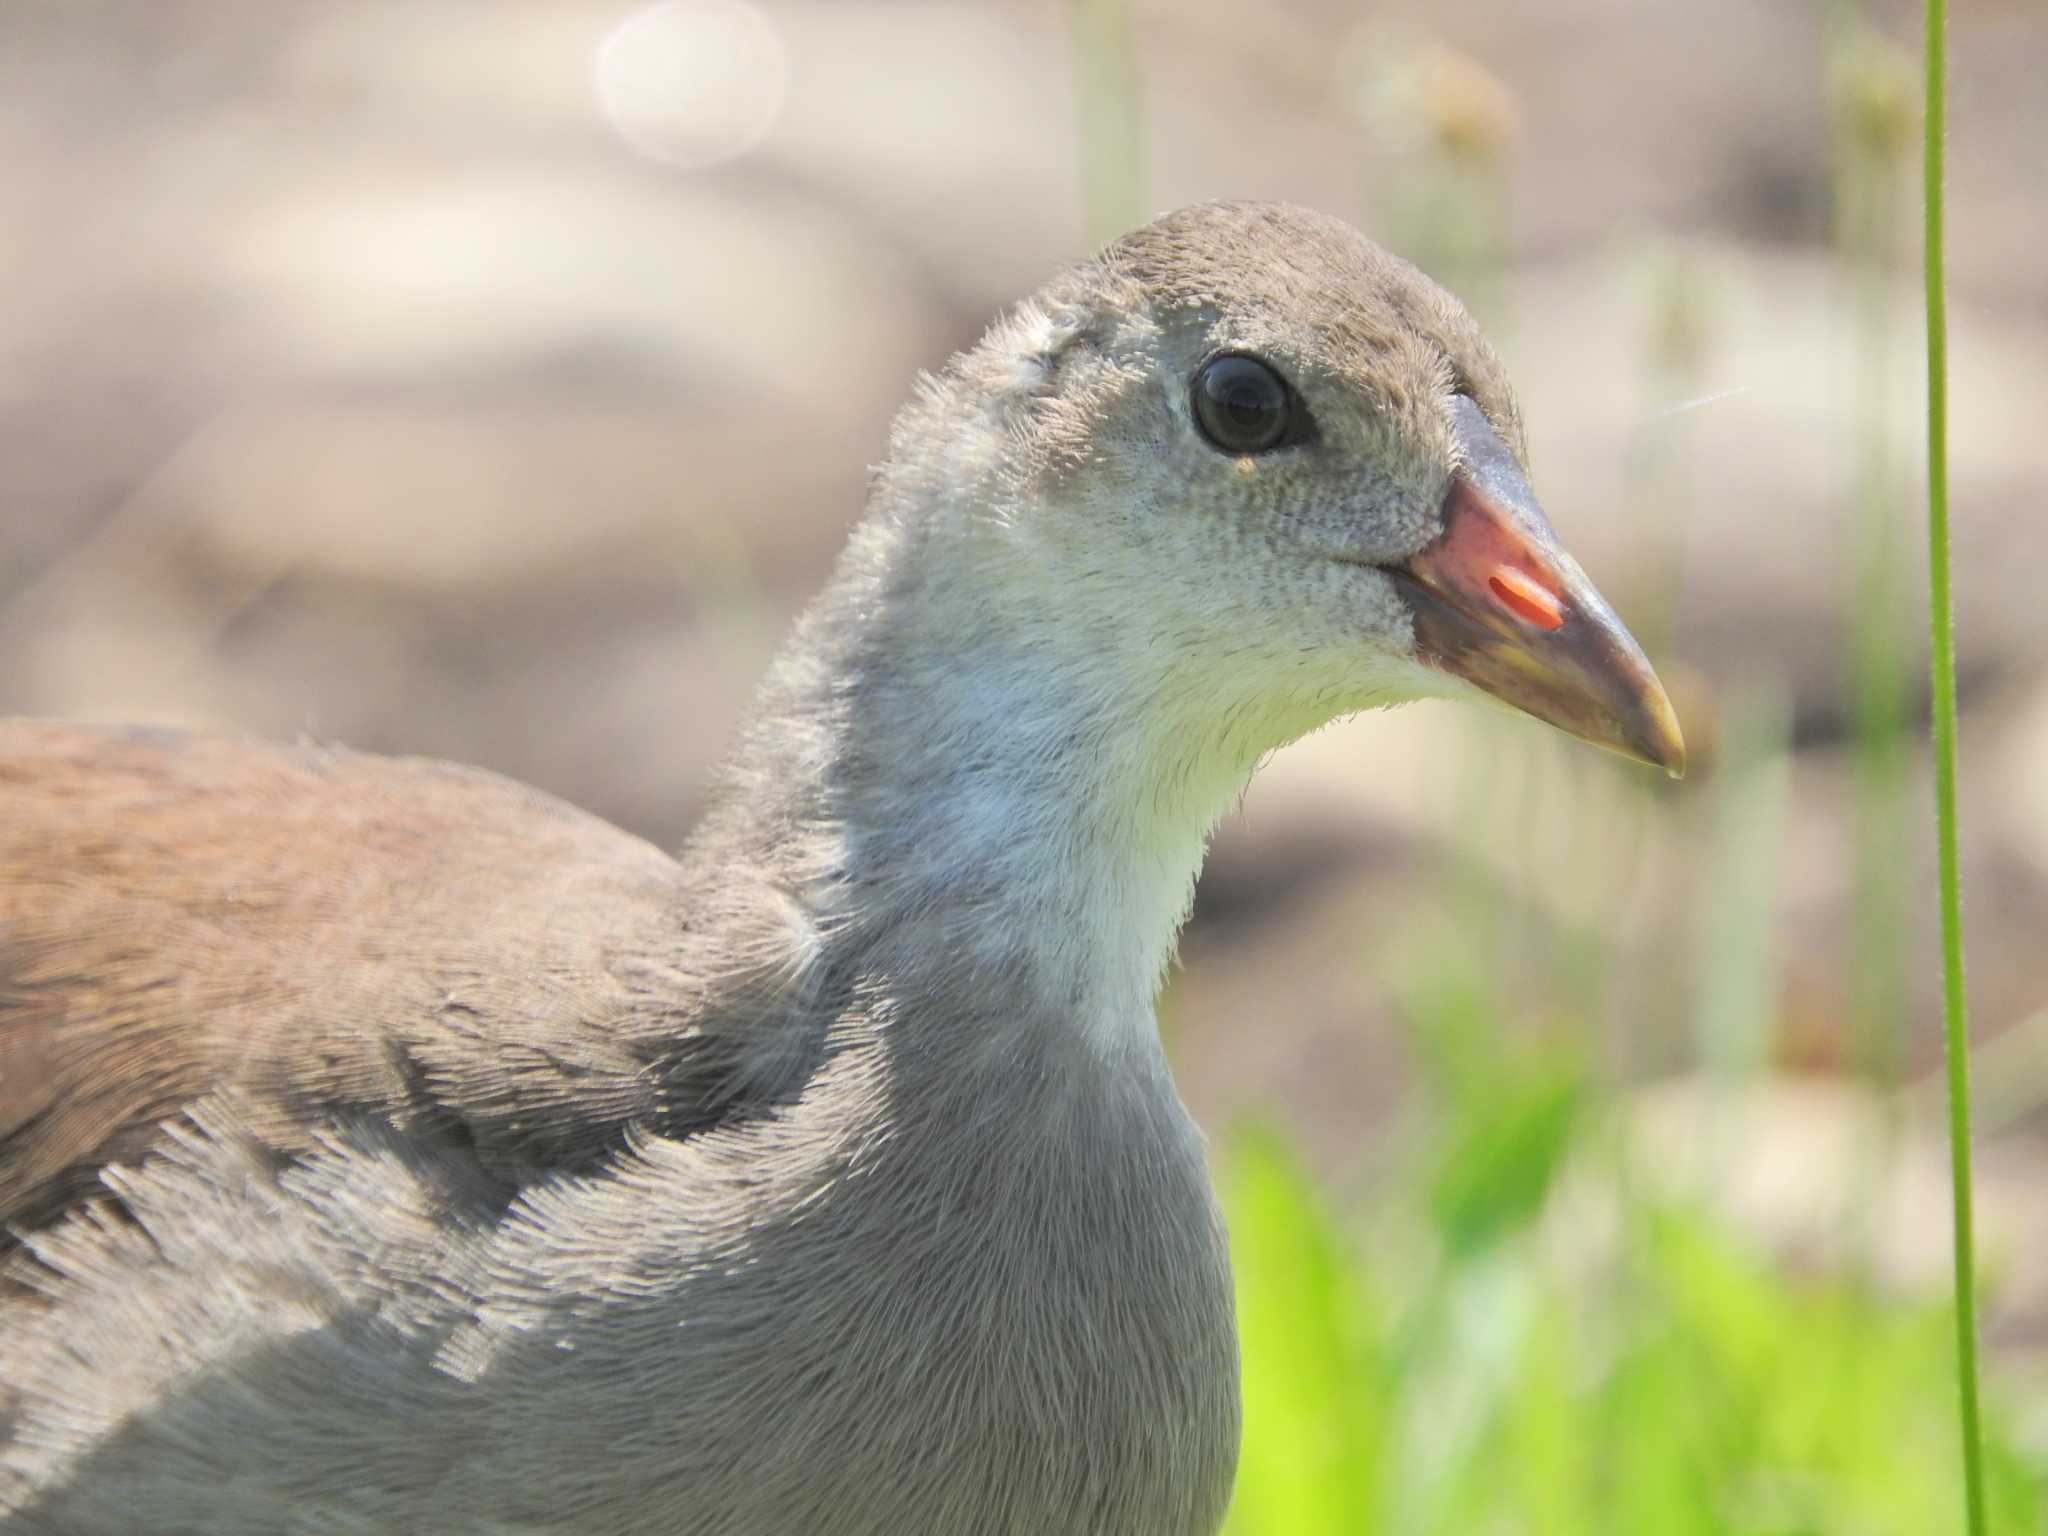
<point x="1285" y="466"/>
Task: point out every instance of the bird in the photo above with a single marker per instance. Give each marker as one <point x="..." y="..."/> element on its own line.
<point x="386" y="1146"/>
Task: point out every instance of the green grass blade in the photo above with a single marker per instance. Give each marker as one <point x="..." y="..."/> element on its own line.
<point x="1111" y="101"/>
<point x="1941" y="620"/>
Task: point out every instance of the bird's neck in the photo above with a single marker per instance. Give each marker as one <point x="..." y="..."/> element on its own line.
<point x="981" y="793"/>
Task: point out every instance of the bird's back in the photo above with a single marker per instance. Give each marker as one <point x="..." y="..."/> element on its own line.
<point x="322" y="932"/>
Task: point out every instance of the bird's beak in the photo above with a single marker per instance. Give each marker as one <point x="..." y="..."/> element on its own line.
<point x="1499" y="603"/>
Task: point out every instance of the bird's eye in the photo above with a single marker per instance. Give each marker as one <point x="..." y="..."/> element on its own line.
<point x="1242" y="405"/>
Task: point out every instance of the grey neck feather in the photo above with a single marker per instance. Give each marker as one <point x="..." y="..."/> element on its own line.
<point x="1000" y="803"/>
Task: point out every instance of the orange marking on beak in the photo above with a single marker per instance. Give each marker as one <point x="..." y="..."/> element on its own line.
<point x="1526" y="597"/>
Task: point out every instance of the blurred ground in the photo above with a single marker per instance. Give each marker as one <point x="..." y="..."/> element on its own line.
<point x="362" y="376"/>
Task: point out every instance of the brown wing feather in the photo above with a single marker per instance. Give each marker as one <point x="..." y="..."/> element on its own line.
<point x="325" y="932"/>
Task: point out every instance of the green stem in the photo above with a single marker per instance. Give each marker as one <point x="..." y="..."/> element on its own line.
<point x="1877" y="654"/>
<point x="1941" y="619"/>
<point x="1112" y="110"/>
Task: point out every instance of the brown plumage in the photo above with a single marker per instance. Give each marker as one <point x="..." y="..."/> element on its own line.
<point x="322" y="932"/>
<point x="392" y="1148"/>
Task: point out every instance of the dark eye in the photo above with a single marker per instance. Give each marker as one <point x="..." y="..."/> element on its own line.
<point x="1242" y="405"/>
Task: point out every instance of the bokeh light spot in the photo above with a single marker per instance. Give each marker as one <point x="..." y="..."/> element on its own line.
<point x="693" y="82"/>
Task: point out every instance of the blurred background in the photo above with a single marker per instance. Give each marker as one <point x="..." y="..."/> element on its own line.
<point x="493" y="379"/>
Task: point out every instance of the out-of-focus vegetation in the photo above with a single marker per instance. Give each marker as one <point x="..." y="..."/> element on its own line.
<point x="1458" y="1357"/>
<point x="1511" y="1322"/>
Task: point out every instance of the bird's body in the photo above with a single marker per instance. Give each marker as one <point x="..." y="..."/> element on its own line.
<point x="516" y="1206"/>
<point x="396" y="1149"/>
